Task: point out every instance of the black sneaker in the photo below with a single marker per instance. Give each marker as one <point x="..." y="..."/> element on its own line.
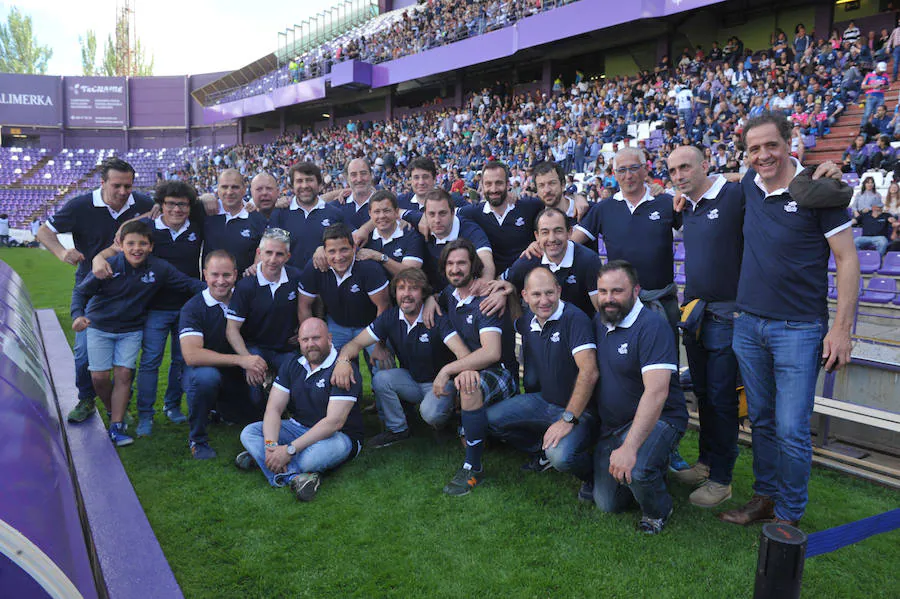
<point x="538" y="463"/>
<point x="653" y="526"/>
<point x="586" y="492"/>
<point x="463" y="481"/>
<point x="305" y="485"/>
<point x="387" y="438"/>
<point x="245" y="461"/>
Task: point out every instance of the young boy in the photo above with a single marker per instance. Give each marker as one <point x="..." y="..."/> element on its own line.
<point x="114" y="317"/>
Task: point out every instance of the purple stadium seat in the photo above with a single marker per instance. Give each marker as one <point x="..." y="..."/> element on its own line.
<point x="832" y="287"/>
<point x="869" y="261"/>
<point x="679" y="273"/>
<point x="891" y="265"/>
<point x="601" y="247"/>
<point x="857" y="232"/>
<point x="880" y="290"/>
<point x="832" y="265"/>
<point x="679" y="252"/>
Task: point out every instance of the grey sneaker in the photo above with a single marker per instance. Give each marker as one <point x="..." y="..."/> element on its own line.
<point x="175" y="416"/>
<point x="145" y="426"/>
<point x="710" y="494"/>
<point x="245" y="461"/>
<point x="83" y="410"/>
<point x="306" y="485"/>
<point x="387" y="438"/>
<point x="653" y="526"/>
<point x="463" y="481"/>
<point x="695" y="475"/>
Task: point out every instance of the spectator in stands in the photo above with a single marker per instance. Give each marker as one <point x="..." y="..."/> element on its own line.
<point x="798" y="149"/>
<point x="326" y="427"/>
<point x="855" y="159"/>
<point x="874" y="84"/>
<point x="802" y="42"/>
<point x="214" y="376"/>
<point x="851" y="35"/>
<point x="876" y="229"/>
<point x="4" y="230"/>
<point x="235" y="230"/>
<point x="885" y="157"/>
<point x="866" y="197"/>
<point x="832" y="107"/>
<point x="892" y="200"/>
<point x="93" y="220"/>
<point x="893" y="46"/>
<point x="880" y="124"/>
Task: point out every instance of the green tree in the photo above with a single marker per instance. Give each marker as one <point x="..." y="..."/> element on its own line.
<point x="19" y="50"/>
<point x="88" y="53"/>
<point x="120" y="58"/>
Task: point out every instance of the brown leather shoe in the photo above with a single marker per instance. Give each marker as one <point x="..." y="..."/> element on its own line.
<point x="759" y="509"/>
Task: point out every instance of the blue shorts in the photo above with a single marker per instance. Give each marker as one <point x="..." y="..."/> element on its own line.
<point x="106" y="350"/>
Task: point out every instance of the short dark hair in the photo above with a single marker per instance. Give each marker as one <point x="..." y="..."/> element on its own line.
<point x="414" y="276"/>
<point x="382" y="195"/>
<point x="337" y="231"/>
<point x="622" y="265"/>
<point x="545" y="166"/>
<point x="769" y="118"/>
<point x="115" y="164"/>
<point x="224" y="254"/>
<point x="305" y="168"/>
<point x="496" y="165"/>
<point x="461" y="244"/>
<point x="174" y="189"/>
<point x="136" y="227"/>
<point x="550" y="211"/>
<point x="422" y="163"/>
<point x="438" y="195"/>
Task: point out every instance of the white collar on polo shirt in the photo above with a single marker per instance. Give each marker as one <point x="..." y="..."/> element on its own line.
<point x="628" y="320"/>
<point x="273" y="286"/>
<point x="347" y="274"/>
<point x="295" y="205"/>
<point x="487" y="210"/>
<point x="332" y="356"/>
<point x="97" y="200"/>
<point x="242" y="214"/>
<point x="160" y="225"/>
<point x="711" y="193"/>
<point x="459" y="301"/>
<point x="398" y="232"/>
<point x="557" y="314"/>
<point x="646" y="198"/>
<point x="567" y="260"/>
<point x="410" y="327"/>
<point x="798" y="168"/>
<point x="211" y="301"/>
<point x="454" y="233"/>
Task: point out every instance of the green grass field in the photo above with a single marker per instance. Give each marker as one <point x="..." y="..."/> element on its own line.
<point x="381" y="527"/>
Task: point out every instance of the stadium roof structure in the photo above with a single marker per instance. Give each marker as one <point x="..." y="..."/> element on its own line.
<point x="239" y="78"/>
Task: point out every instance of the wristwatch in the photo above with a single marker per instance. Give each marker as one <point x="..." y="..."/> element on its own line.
<point x="291" y="450"/>
<point x="384" y="258"/>
<point x="569" y="417"/>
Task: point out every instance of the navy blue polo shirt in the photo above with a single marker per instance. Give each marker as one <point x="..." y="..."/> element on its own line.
<point x="93" y="224"/>
<point x="419" y="349"/>
<point x="347" y="299"/>
<point x="181" y="249"/>
<point x="267" y="310"/>
<point x="311" y="391"/>
<point x="643" y="238"/>
<point x="576" y="275"/>
<point x="509" y="235"/>
<point x="202" y="316"/>
<point x="714" y="243"/>
<point x="403" y="244"/>
<point x="119" y="304"/>
<point x="410" y="201"/>
<point x="238" y="234"/>
<point x="355" y="216"/>
<point x="642" y="341"/>
<point x="467" y="320"/>
<point x="306" y="228"/>
<point x="551" y="349"/>
<point x="784" y="273"/>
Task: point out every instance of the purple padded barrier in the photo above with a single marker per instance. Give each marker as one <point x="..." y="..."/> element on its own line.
<point x="832" y="265"/>
<point x="298" y="93"/>
<point x="352" y="73"/>
<point x="879" y="290"/>
<point x="891" y="265"/>
<point x="38" y="495"/>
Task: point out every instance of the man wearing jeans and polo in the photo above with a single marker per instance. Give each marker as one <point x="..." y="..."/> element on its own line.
<point x="780" y="337"/>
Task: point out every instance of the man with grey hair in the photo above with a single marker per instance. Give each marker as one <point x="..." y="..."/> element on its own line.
<point x="235" y="230"/>
<point x="355" y="207"/>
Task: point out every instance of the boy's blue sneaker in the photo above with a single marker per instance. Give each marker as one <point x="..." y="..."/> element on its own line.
<point x="145" y="426"/>
<point x="676" y="462"/>
<point x="175" y="416"/>
<point x="117" y="435"/>
<point x="202" y="451"/>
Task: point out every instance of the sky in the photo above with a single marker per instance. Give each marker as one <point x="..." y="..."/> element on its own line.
<point x="186" y="37"/>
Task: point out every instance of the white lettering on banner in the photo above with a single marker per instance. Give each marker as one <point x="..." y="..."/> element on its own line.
<point x="26" y="99"/>
<point x="98" y="89"/>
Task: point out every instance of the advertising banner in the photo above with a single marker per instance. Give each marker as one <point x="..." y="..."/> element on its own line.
<point x="29" y="100"/>
<point x="96" y="102"/>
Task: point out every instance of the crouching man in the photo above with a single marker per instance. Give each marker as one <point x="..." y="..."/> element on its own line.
<point x="325" y="429"/>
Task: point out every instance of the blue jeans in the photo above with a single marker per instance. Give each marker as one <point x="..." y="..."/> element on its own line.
<point x="160" y="325"/>
<point x="688" y="115"/>
<point x="274" y="360"/>
<point x="522" y="420"/>
<point x="779" y="363"/>
<point x="877" y="242"/>
<point x="341" y="336"/>
<point x="223" y="389"/>
<point x="648" y="482"/>
<point x="82" y="372"/>
<point x="714" y="376"/>
<point x="391" y="386"/>
<point x="896" y="55"/>
<point x="320" y="456"/>
<point x="873" y="101"/>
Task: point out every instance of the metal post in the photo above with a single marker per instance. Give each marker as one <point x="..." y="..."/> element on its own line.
<point x="779" y="568"/>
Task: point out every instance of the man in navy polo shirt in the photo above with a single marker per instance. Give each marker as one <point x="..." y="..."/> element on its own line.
<point x="93" y="220"/>
<point x="549" y="179"/>
<point x="422" y="177"/>
<point x="780" y="335"/>
<point x="236" y="231"/>
<point x="507" y="222"/>
<point x="390" y="245"/>
<point x="307" y="216"/>
<point x="421" y="353"/>
<point x="354" y="291"/>
<point x="554" y="426"/>
<point x="262" y="314"/>
<point x="713" y="221"/>
<point x="326" y="428"/>
<point x="264" y="193"/>
<point x="213" y="374"/>
<point x="355" y="207"/>
<point x="639" y="401"/>
<point x="486" y="376"/>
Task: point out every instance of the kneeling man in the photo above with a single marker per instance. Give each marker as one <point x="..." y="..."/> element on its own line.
<point x="326" y="428"/>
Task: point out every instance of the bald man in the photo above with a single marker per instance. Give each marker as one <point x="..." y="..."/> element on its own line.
<point x="326" y="429"/>
<point x="264" y="193"/>
<point x="236" y="230"/>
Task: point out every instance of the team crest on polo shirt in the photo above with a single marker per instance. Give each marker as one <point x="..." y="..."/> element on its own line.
<point x="470" y="319"/>
<point x="713" y="214"/>
<point x="423" y="338"/>
<point x="520" y="222"/>
<point x="354" y="288"/>
<point x="326" y="222"/>
<point x="398" y="252"/>
<point x="623" y="349"/>
<point x="571" y="280"/>
<point x="150" y="277"/>
<point x="192" y="237"/>
<point x="245" y="233"/>
<point x="654" y="215"/>
<point x="555" y="337"/>
<point x="320" y="383"/>
<point x="790" y="206"/>
<point x="292" y="295"/>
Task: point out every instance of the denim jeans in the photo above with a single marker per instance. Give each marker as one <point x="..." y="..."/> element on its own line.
<point x="341" y="336"/>
<point x="648" y="482"/>
<point x="877" y="242"/>
<point x="160" y="325"/>
<point x="106" y="350"/>
<point x="82" y="372"/>
<point x="714" y="377"/>
<point x="896" y="55"/>
<point x="320" y="456"/>
<point x="222" y="389"/>
<point x="779" y="362"/>
<point x="522" y="420"/>
<point x="274" y="360"/>
<point x="873" y="101"/>
<point x="392" y="386"/>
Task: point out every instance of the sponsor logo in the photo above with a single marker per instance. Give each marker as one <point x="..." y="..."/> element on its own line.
<point x="320" y="383"/>
<point x="80" y="88"/>
<point x="354" y="288"/>
<point x="790" y="206"/>
<point x="623" y="349"/>
<point x="423" y="338"/>
<point x="713" y="214"/>
<point x="26" y="99"/>
<point x="555" y="337"/>
<point x="150" y="277"/>
<point x="654" y="215"/>
<point x="245" y="233"/>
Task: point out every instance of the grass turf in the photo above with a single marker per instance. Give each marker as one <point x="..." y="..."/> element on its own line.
<point x="381" y="527"/>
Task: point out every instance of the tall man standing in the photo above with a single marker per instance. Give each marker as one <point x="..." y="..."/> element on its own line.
<point x="236" y="231"/>
<point x="780" y="337"/>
